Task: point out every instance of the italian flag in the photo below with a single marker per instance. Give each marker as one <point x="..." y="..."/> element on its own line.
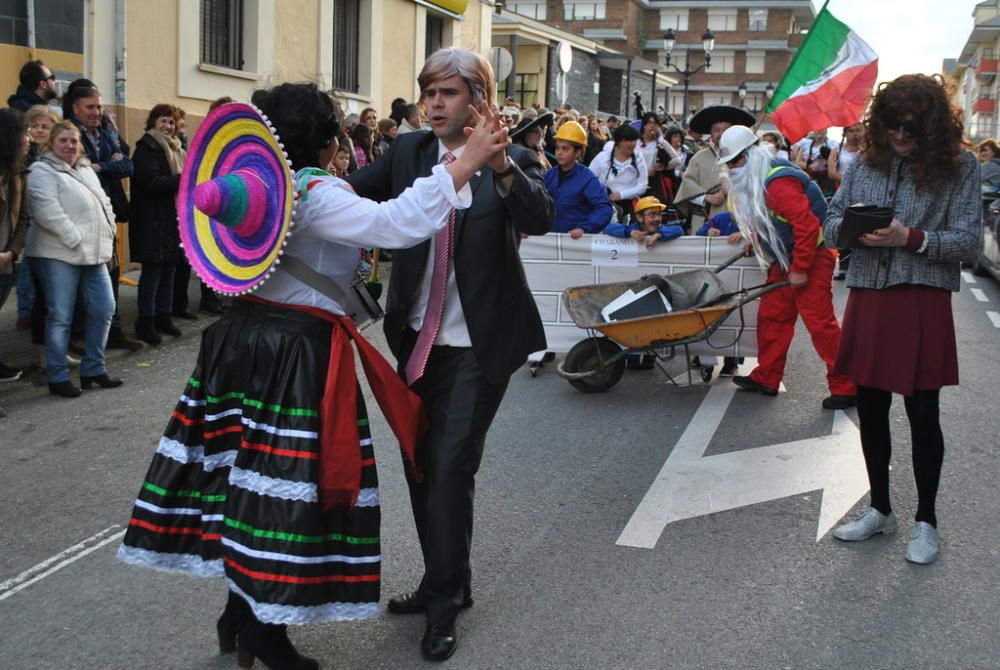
<point x="828" y="83"/>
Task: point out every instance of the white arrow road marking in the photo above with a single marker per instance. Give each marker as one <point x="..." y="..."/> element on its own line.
<point x="690" y="485"/>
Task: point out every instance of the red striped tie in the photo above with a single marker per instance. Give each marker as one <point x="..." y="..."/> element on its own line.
<point x="444" y="243"/>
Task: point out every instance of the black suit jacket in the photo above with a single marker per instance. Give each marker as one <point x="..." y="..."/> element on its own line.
<point x="500" y="312"/>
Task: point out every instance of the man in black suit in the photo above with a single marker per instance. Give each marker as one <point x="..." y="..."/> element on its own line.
<point x="459" y="323"/>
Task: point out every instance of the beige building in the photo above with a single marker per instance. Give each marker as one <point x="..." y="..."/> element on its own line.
<point x="190" y="52"/>
<point x="975" y="72"/>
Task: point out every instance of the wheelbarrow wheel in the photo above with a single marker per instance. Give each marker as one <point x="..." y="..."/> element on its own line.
<point x="591" y="354"/>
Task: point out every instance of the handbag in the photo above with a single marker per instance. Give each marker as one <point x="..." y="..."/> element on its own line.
<point x="358" y="301"/>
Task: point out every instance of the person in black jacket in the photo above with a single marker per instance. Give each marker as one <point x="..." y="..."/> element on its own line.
<point x="154" y="239"/>
<point x="37" y="87"/>
<point x="459" y="322"/>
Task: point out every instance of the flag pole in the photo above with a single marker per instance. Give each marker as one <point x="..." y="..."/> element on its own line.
<point x="798" y="52"/>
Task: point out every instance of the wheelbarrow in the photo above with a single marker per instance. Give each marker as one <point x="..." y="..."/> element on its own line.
<point x="701" y="303"/>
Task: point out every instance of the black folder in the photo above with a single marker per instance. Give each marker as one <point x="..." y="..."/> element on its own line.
<point x="860" y="220"/>
<point x="650" y="304"/>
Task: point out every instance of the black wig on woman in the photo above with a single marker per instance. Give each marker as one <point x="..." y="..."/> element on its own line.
<point x="12" y="140"/>
<point x="625" y="133"/>
<point x="304" y="118"/>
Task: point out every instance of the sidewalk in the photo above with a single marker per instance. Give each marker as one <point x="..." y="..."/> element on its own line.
<point x="16" y="349"/>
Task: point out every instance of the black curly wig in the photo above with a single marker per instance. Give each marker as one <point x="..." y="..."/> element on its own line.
<point x="304" y="117"/>
<point x="940" y="140"/>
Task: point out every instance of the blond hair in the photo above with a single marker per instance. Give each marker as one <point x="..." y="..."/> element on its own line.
<point x="36" y="111"/>
<point x="475" y="70"/>
<point x="61" y="127"/>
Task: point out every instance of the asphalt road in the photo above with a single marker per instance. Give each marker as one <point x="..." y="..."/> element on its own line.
<point x="563" y="474"/>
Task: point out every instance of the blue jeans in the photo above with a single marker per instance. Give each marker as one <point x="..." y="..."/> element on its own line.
<point x="156" y="289"/>
<point x="61" y="281"/>
<point x="25" y="291"/>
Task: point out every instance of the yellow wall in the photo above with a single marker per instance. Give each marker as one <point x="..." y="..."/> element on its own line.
<point x="296" y="41"/>
<point x="13" y="57"/>
<point x="399" y="75"/>
<point x="400" y="60"/>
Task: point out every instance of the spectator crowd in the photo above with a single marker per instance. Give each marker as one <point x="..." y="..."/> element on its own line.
<point x="71" y="184"/>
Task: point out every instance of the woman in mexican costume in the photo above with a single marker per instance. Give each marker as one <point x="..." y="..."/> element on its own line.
<point x="266" y="473"/>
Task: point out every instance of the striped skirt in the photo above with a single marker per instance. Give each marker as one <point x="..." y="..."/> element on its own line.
<point x="232" y="487"/>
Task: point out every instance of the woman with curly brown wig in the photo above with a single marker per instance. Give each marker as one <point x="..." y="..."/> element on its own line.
<point x="898" y="334"/>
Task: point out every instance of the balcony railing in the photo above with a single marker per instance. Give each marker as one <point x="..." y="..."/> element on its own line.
<point x="984" y="105"/>
<point x="986" y="68"/>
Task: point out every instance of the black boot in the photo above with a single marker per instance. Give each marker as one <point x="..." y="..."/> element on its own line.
<point x="233" y="619"/>
<point x="271" y="645"/>
<point x="146" y="331"/>
<point x="165" y="326"/>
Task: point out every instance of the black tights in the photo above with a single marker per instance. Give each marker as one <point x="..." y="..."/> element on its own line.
<point x="928" y="446"/>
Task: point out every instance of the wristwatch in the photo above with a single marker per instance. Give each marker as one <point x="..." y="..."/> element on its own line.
<point x="923" y="245"/>
<point x="507" y="171"/>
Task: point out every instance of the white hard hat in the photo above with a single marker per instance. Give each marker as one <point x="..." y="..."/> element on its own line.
<point x="735" y="141"/>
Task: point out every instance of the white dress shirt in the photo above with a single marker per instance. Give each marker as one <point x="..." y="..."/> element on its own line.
<point x="453" y="332"/>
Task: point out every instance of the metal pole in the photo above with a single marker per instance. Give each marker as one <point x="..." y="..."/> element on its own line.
<point x="31" y="27"/>
<point x="512" y="77"/>
<point x="628" y="84"/>
<point x="652" y="98"/>
<point x="687" y="83"/>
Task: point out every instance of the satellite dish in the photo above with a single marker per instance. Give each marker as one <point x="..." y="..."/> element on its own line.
<point x="565" y="53"/>
<point x="502" y="63"/>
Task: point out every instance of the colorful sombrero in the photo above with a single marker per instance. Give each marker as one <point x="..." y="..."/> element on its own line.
<point x="235" y="204"/>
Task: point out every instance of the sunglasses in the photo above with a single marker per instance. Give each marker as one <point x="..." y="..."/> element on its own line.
<point x="910" y="127"/>
<point x="51" y="77"/>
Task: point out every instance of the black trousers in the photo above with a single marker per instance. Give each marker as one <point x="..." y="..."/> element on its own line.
<point x="460" y="404"/>
<point x="922" y="409"/>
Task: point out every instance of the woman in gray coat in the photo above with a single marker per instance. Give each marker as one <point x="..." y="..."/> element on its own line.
<point x="898" y="333"/>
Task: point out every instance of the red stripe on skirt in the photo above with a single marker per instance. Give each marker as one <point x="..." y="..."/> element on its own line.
<point x="288" y="579"/>
<point x="174" y="531"/>
<point x="267" y="449"/>
<point x="223" y="431"/>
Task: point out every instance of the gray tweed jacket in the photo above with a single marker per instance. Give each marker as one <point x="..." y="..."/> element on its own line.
<point x="950" y="215"/>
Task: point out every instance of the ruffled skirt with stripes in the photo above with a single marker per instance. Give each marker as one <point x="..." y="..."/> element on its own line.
<point x="232" y="491"/>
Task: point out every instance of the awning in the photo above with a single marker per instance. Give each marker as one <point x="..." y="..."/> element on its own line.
<point x="453" y="8"/>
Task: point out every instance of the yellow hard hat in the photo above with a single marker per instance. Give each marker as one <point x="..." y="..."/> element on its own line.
<point x="649" y="202"/>
<point x="572" y="132"/>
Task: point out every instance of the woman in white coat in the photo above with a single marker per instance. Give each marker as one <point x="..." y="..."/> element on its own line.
<point x="70" y="239"/>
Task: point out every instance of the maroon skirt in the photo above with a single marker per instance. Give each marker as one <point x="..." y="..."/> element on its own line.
<point x="899" y="339"/>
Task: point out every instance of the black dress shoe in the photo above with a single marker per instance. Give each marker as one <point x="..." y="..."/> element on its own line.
<point x="102" y="380"/>
<point x="184" y="314"/>
<point x="64" y="389"/>
<point x="414" y="603"/>
<point x="747" y="383"/>
<point x="439" y="642"/>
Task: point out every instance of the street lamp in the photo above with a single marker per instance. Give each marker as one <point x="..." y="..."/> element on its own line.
<point x="707" y="43"/>
<point x="742" y="90"/>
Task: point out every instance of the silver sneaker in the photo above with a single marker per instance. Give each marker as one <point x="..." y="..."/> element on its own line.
<point x="867" y="524"/>
<point x="924" y="545"/>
